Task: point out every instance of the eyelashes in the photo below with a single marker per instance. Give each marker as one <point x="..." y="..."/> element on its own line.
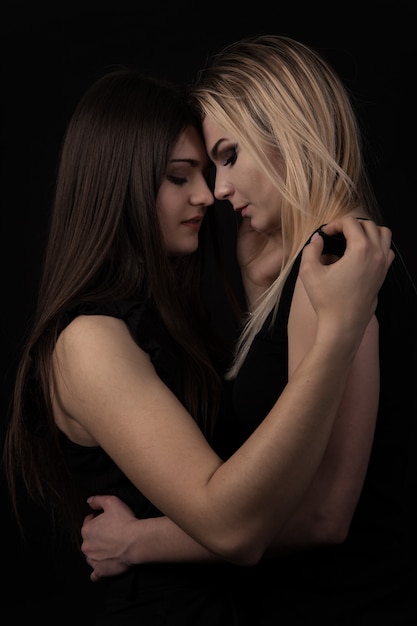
<point x="176" y="180"/>
<point x="231" y="156"/>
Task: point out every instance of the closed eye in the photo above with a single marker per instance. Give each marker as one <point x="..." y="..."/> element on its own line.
<point x="231" y="157"/>
<point x="176" y="180"/>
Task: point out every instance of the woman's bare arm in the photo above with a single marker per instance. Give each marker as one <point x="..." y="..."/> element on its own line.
<point x="228" y="507"/>
<point x="115" y="540"/>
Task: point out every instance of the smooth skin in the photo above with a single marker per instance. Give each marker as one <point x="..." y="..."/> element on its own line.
<point x="274" y="506"/>
<point x="184" y="195"/>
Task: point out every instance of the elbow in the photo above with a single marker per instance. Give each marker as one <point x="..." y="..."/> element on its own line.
<point x="238" y="548"/>
<point x="331" y="536"/>
<point x="245" y="556"/>
<point x="329" y="531"/>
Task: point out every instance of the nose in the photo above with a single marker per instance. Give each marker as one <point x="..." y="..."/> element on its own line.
<point x="222" y="189"/>
<point x="202" y="194"/>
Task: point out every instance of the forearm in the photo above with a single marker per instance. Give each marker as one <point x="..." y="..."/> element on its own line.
<point x="278" y="459"/>
<point x="322" y="518"/>
<point x="326" y="510"/>
<point x="158" y="540"/>
<point x="115" y="540"/>
<point x="162" y="540"/>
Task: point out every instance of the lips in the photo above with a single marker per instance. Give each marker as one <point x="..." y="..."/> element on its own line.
<point x="193" y="221"/>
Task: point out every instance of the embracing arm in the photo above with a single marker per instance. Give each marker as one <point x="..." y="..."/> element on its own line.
<point x="228" y="507"/>
<point x="325" y="512"/>
<point x="115" y="540"/>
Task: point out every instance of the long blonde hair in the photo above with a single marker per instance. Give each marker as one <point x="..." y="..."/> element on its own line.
<point x="276" y="95"/>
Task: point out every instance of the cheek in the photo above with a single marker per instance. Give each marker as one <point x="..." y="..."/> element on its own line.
<point x="267" y="198"/>
<point x="168" y="226"/>
<point x="273" y="209"/>
<point x="250" y="178"/>
<point x="164" y="223"/>
<point x="244" y="181"/>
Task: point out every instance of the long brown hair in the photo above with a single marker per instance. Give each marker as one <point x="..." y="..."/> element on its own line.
<point x="105" y="244"/>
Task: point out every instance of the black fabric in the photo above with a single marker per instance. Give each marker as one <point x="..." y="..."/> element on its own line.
<point x="366" y="581"/>
<point x="172" y="595"/>
<point x="371" y="578"/>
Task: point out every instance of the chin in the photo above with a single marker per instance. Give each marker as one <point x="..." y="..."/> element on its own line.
<point x="184" y="251"/>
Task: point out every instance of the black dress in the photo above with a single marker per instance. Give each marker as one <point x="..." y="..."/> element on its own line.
<point x="371" y="578"/>
<point x="155" y="594"/>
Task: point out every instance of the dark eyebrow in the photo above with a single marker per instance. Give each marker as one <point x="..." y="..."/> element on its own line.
<point x="192" y="162"/>
<point x="214" y="152"/>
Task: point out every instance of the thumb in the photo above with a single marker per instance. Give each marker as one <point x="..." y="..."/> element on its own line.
<point x="314" y="248"/>
<point x="96" y="502"/>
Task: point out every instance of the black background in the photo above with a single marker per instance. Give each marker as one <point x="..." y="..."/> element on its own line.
<point x="51" y="52"/>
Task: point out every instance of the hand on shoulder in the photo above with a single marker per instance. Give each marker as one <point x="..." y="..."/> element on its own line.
<point x="346" y="291"/>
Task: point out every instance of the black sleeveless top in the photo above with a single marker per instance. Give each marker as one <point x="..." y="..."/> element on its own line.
<point x="171" y="594"/>
<point x="93" y="469"/>
<point x="370" y="578"/>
